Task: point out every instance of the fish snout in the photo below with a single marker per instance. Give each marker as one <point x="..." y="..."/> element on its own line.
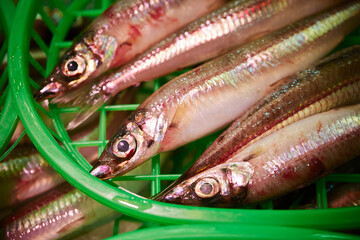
<point x="101" y="171"/>
<point x="47" y="91"/>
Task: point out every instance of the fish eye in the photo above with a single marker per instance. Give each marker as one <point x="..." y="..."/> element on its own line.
<point x="74" y="66"/>
<point x="124" y="147"/>
<point x="207" y="187"/>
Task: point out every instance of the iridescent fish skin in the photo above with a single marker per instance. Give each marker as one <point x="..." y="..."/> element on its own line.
<point x="125" y="29"/>
<point x="216" y="33"/>
<point x="346" y="195"/>
<point x="56" y="214"/>
<point x="293" y="157"/>
<point x="193" y="104"/>
<point x="333" y="83"/>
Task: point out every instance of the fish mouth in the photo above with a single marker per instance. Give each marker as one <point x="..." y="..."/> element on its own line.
<point x="102" y="172"/>
<point x="50" y="90"/>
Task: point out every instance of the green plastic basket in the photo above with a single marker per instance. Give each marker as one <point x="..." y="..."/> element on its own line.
<point x="8" y="115"/>
<point x="231" y="231"/>
<point x="72" y="166"/>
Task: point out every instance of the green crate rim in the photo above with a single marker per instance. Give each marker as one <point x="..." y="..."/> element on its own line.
<point x="8" y="116"/>
<point x="120" y="199"/>
<point x="231" y="231"/>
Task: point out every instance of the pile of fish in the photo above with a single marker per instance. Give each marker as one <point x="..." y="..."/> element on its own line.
<point x="294" y="115"/>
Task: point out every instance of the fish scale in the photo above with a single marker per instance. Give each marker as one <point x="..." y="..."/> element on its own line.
<point x="219" y="32"/>
<point x="192" y="105"/>
<point x="293" y="157"/>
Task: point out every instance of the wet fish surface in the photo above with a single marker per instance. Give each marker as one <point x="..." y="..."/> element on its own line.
<point x="216" y="33"/>
<point x="334" y="82"/>
<point x="54" y="215"/>
<point x="192" y="105"/>
<point x="125" y="29"/>
<point x="290" y="158"/>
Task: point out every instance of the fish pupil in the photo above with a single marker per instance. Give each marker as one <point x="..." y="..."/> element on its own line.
<point x="72" y="66"/>
<point x="206" y="188"/>
<point x="123" y="146"/>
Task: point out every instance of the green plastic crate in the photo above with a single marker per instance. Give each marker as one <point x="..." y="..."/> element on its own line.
<point x="73" y="167"/>
<point x="8" y="115"/>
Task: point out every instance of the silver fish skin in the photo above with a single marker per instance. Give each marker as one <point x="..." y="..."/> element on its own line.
<point x="216" y="33"/>
<point x="332" y="83"/>
<point x="125" y="29"/>
<point x="291" y="158"/>
<point x="25" y="174"/>
<point x="54" y="215"/>
<point x="198" y="102"/>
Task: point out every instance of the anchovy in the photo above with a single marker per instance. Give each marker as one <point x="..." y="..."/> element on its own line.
<point x="346" y="195"/>
<point x="332" y="83"/>
<point x="291" y="158"/>
<point x="25" y="174"/>
<point x="58" y="213"/>
<point x="218" y="32"/>
<point x="216" y="93"/>
<point x="125" y="29"/>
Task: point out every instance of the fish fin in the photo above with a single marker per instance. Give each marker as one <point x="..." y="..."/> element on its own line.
<point x="72" y="225"/>
<point x="89" y="98"/>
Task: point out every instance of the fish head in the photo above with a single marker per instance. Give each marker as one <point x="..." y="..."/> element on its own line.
<point x="220" y="185"/>
<point x="138" y="140"/>
<point x="80" y="63"/>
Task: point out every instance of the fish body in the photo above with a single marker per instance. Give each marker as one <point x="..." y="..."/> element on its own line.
<point x="56" y="214"/>
<point x="346" y="195"/>
<point x="288" y="159"/>
<point x="333" y="83"/>
<point x="216" y="33"/>
<point x="217" y="92"/>
<point x="125" y="29"/>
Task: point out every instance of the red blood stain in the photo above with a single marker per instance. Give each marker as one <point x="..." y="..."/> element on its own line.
<point x="157" y="13"/>
<point x="134" y="31"/>
<point x="317" y="168"/>
<point x="290" y="173"/>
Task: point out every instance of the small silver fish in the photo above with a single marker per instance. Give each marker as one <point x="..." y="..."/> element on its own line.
<point x="125" y="29"/>
<point x="332" y="83"/>
<point x="293" y="157"/>
<point x="54" y="215"/>
<point x="198" y="102"/>
<point x="216" y="33"/>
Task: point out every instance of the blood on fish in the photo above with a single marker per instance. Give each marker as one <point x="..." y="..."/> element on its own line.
<point x="157" y="13"/>
<point x="290" y="173"/>
<point x="134" y="31"/>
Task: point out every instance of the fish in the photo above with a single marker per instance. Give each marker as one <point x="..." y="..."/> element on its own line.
<point x="332" y="83"/>
<point x="194" y="104"/>
<point x="234" y="24"/>
<point x="345" y="195"/>
<point x="60" y="212"/>
<point x="122" y="31"/>
<point x="25" y="173"/>
<point x="288" y="159"/>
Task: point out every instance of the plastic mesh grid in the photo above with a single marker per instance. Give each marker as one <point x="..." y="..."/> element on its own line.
<point x="81" y="8"/>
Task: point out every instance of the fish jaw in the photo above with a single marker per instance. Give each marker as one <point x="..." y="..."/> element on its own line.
<point x="216" y="187"/>
<point x="138" y="139"/>
<point x="80" y="63"/>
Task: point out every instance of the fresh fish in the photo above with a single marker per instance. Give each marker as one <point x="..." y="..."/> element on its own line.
<point x="58" y="213"/>
<point x="218" y="32"/>
<point x="25" y="174"/>
<point x="125" y="29"/>
<point x="198" y="102"/>
<point x="293" y="157"/>
<point x="332" y="83"/>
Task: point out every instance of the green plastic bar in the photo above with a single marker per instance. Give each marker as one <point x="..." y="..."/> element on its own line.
<point x="88" y="13"/>
<point x="42" y="109"/>
<point x="40" y="42"/>
<point x="102" y="130"/>
<point x="343" y="178"/>
<point x="47" y="20"/>
<point x="37" y="66"/>
<point x="86" y="143"/>
<point x="3" y="49"/>
<point x="321" y="197"/>
<point x="124" y="107"/>
<point x="33" y="83"/>
<point x="4" y="78"/>
<point x="4" y="96"/>
<point x="12" y="146"/>
<point x="60" y="4"/>
<point x="64" y="44"/>
<point x="231" y="231"/>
